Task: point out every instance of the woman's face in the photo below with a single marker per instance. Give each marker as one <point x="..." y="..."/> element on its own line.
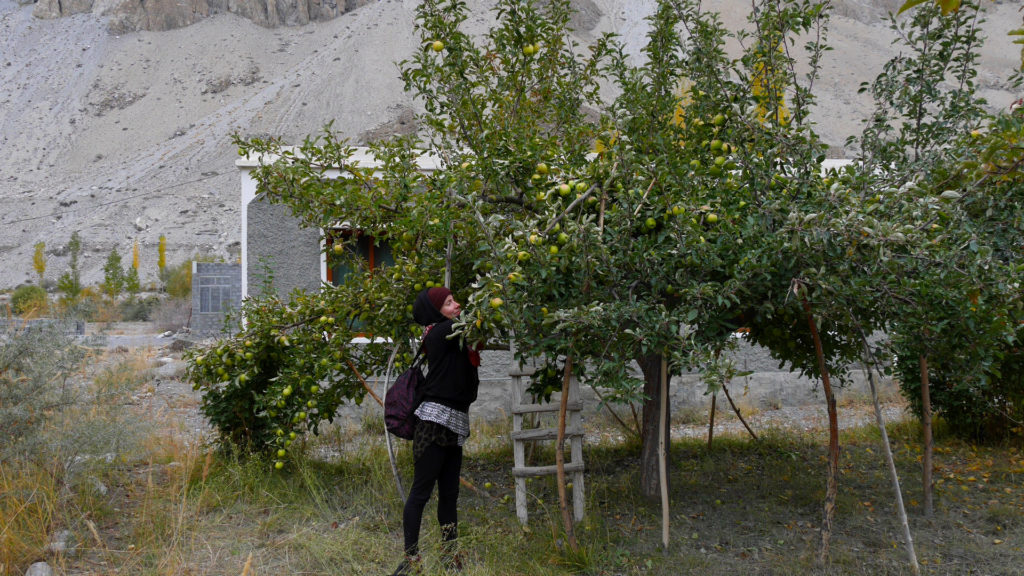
<point x="450" y="308"/>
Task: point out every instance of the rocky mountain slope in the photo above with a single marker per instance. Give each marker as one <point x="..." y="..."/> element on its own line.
<point x="117" y="123"/>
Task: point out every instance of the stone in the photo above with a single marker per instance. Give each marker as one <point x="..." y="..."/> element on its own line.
<point x="48" y="9"/>
<point x="61" y="542"/>
<point x="39" y="569"/>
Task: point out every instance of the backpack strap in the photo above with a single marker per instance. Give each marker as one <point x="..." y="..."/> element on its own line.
<point x="421" y="356"/>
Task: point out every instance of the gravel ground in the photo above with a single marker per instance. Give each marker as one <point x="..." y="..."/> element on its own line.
<point x="170" y="398"/>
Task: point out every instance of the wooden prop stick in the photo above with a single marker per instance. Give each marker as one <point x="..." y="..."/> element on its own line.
<point x="711" y="419"/>
<point x="387" y="435"/>
<point x="737" y="411"/>
<point x="365" y="385"/>
<point x="662" y="453"/>
<point x="891" y="465"/>
<point x="563" y="502"/>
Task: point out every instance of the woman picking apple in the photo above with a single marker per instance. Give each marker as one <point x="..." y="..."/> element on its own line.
<point x="450" y="387"/>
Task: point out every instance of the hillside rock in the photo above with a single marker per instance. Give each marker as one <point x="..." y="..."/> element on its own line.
<point x="128" y="137"/>
<point x="158" y="15"/>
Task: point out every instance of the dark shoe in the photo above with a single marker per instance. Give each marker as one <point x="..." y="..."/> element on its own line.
<point x="453" y="563"/>
<point x="451" y="557"/>
<point x="410" y="566"/>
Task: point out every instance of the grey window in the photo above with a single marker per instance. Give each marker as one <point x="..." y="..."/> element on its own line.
<point x="214" y="294"/>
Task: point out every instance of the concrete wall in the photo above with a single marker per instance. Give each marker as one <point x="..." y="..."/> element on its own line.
<point x="276" y="241"/>
<point x="227" y="276"/>
<point x="768" y="387"/>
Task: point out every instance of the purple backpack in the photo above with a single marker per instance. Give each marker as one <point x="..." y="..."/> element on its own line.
<point x="402" y="399"/>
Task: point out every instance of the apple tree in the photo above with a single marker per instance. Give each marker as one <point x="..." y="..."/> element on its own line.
<point x="495" y="112"/>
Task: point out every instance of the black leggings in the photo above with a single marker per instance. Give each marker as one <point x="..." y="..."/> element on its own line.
<point x="441" y="464"/>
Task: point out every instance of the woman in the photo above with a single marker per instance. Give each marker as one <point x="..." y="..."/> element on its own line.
<point x="450" y="387"/>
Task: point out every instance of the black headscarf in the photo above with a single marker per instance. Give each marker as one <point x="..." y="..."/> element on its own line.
<point x="424" y="311"/>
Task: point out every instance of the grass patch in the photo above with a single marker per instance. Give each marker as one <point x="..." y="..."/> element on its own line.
<point x="740" y="507"/>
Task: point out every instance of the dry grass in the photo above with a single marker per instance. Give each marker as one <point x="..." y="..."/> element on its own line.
<point x="175" y="507"/>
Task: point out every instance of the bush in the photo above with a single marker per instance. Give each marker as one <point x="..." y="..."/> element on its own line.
<point x="978" y="404"/>
<point x="139" y="310"/>
<point x="85" y="305"/>
<point x="37" y="361"/>
<point x="61" y="435"/>
<point x="171" y="314"/>
<point x="29" y="298"/>
<point x="179" y="280"/>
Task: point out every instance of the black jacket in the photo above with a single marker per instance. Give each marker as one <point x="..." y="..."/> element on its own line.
<point x="452" y="379"/>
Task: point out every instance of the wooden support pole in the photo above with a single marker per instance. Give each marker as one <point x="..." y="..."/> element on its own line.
<point x="926" y="431"/>
<point x="737" y="411"/>
<point x="894" y="477"/>
<point x="563" y="501"/>
<point x="662" y="456"/>
<point x="711" y="418"/>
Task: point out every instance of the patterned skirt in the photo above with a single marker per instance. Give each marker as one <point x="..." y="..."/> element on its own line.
<point x="428" y="433"/>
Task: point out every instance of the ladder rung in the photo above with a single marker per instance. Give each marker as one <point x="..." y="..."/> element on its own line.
<point x="550" y="407"/>
<point x="544" y="433"/>
<point x="524" y="371"/>
<point x="546" y="470"/>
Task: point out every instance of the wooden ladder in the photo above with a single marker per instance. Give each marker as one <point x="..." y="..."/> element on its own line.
<point x="520" y="377"/>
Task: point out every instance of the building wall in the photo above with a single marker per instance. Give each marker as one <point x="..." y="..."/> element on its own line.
<point x="226" y="280"/>
<point x="277" y="243"/>
<point x="768" y="387"/>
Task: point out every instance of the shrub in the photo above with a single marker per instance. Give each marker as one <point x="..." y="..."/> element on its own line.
<point x="60" y="434"/>
<point x="179" y="280"/>
<point x="36" y="362"/>
<point x="985" y="404"/>
<point x="84" y="306"/>
<point x="139" y="310"/>
<point x="171" y="314"/>
<point x="29" y="299"/>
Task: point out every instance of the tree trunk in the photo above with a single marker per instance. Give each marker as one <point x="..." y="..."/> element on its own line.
<point x="832" y="482"/>
<point x="926" y="431"/>
<point x="650" y="435"/>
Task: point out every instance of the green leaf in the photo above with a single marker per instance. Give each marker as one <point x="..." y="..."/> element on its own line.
<point x="910" y="4"/>
<point x="949" y="5"/>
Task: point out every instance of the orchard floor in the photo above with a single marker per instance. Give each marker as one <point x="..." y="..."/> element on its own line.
<point x="737" y="507"/>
